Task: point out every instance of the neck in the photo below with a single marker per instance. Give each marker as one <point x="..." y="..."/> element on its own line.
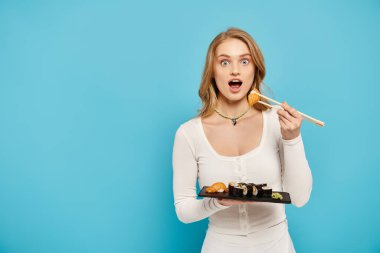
<point x="232" y="108"/>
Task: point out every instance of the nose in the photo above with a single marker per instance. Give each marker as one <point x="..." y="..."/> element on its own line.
<point x="235" y="70"/>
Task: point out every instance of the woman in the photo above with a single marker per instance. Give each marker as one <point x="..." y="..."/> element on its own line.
<point x="231" y="141"/>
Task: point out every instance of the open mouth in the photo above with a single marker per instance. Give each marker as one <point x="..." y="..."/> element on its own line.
<point x="235" y="83"/>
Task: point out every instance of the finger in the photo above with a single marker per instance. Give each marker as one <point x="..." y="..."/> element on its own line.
<point x="285" y="114"/>
<point x="282" y="123"/>
<point x="296" y="122"/>
<point x="236" y="201"/>
<point x="232" y="202"/>
<point x="291" y="125"/>
<point x="290" y="109"/>
<point x="286" y="117"/>
<point x="223" y="202"/>
<point x="286" y="124"/>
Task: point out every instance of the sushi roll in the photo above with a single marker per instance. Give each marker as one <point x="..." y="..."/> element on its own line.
<point x="267" y="191"/>
<point x="231" y="186"/>
<point x="255" y="190"/>
<point x="259" y="190"/>
<point x="250" y="187"/>
<point x="261" y="185"/>
<point x="236" y="189"/>
<point x="240" y="189"/>
<point x="245" y="189"/>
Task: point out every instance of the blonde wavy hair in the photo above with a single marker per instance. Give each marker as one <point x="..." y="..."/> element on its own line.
<point x="208" y="92"/>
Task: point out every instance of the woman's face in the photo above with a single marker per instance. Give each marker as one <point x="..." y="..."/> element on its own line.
<point x="233" y="70"/>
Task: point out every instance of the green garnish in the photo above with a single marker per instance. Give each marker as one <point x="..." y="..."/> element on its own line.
<point x="277" y="195"/>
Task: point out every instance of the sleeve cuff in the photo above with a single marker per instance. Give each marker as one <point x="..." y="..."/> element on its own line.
<point x="292" y="141"/>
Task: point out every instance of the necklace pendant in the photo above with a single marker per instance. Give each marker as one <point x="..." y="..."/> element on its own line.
<point x="234" y="121"/>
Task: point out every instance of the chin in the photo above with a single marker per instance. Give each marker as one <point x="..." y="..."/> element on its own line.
<point x="236" y="97"/>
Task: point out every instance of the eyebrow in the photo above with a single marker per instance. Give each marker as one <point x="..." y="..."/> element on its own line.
<point x="226" y="55"/>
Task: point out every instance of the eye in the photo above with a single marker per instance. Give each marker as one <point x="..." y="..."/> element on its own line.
<point x="224" y="63"/>
<point x="245" y="62"/>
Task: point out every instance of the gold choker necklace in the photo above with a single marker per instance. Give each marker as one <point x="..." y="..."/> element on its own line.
<point x="233" y="120"/>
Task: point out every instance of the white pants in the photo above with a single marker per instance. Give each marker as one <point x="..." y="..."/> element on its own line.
<point x="275" y="239"/>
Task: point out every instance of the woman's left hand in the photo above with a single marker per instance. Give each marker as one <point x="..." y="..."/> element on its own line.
<point x="290" y="121"/>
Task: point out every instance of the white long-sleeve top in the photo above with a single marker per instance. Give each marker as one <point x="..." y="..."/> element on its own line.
<point x="280" y="163"/>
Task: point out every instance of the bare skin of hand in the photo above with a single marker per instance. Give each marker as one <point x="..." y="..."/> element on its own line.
<point x="231" y="202"/>
<point x="290" y="121"/>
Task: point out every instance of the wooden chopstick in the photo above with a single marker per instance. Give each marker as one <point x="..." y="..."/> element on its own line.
<point x="305" y="116"/>
<point x="270" y="105"/>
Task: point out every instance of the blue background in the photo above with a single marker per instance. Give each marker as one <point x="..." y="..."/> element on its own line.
<point x="92" y="92"/>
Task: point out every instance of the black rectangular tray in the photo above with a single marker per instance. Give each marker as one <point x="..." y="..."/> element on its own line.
<point x="225" y="195"/>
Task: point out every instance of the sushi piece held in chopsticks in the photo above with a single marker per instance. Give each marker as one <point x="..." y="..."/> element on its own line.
<point x="255" y="96"/>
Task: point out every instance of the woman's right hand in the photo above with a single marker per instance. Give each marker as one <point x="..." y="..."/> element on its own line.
<point x="232" y="202"/>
